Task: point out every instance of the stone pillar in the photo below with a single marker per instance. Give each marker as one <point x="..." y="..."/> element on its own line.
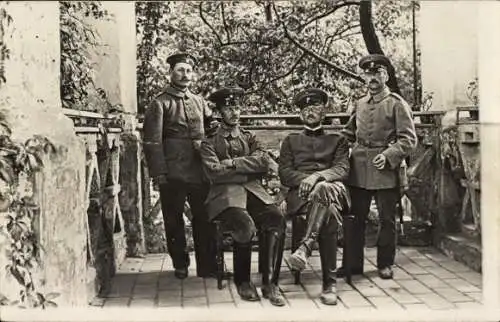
<point x="31" y="97"/>
<point x="489" y="65"/>
<point x="116" y="74"/>
<point x="448" y="40"/>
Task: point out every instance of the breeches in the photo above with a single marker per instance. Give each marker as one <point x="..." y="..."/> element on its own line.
<point x="244" y="223"/>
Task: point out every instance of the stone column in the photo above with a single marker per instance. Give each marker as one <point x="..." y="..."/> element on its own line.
<point x="116" y="73"/>
<point x="31" y="97"/>
<point x="448" y="40"/>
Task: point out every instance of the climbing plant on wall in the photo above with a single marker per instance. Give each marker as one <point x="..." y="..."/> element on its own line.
<point x="78" y="40"/>
<point x="18" y="164"/>
<point x="5" y="20"/>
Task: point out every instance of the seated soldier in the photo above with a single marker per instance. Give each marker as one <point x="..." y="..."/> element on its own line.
<point x="234" y="162"/>
<point x="313" y="165"/>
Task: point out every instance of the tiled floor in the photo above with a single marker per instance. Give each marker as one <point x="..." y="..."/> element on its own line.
<point x="424" y="278"/>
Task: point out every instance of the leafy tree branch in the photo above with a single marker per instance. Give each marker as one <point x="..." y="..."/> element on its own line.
<point x="205" y="21"/>
<point x="317" y="56"/>
<point x="327" y="13"/>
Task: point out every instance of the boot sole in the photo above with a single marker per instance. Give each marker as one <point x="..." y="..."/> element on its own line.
<point x="281" y="302"/>
<point x="326" y="302"/>
<point x="295" y="264"/>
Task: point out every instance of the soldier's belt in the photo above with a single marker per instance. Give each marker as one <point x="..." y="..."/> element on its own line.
<point x="369" y="144"/>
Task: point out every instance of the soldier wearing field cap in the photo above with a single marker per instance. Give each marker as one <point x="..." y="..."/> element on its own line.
<point x="173" y="129"/>
<point x="314" y="164"/>
<point x="382" y="132"/>
<point x="234" y="161"/>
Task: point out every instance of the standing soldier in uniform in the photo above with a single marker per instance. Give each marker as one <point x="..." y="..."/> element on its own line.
<point x="382" y="131"/>
<point x="234" y="161"/>
<point x="313" y="165"/>
<point x="173" y="130"/>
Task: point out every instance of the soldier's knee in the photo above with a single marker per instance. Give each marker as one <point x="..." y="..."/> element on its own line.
<point x="329" y="229"/>
<point x="245" y="233"/>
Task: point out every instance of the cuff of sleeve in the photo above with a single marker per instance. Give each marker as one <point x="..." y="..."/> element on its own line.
<point x="393" y="159"/>
<point x="323" y="176"/>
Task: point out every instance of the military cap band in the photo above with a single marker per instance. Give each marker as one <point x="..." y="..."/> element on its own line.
<point x="227" y="96"/>
<point x="310" y="96"/>
<point x="374" y="62"/>
<point x="187" y="58"/>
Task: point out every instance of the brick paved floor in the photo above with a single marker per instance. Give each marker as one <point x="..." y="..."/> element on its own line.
<point x="424" y="278"/>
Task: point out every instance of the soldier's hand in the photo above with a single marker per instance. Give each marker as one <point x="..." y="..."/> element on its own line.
<point x="197" y="144"/>
<point x="319" y="195"/>
<point x="307" y="184"/>
<point x="273" y="166"/>
<point x="379" y="161"/>
<point x="227" y="163"/>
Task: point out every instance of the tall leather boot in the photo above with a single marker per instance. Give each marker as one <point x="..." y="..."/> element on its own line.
<point x="270" y="289"/>
<point x="328" y="254"/>
<point x="298" y="260"/>
<point x="241" y="266"/>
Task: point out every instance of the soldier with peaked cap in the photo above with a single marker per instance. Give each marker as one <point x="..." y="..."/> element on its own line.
<point x="173" y="130"/>
<point x="314" y="164"/>
<point x="382" y="132"/>
<point x="234" y="162"/>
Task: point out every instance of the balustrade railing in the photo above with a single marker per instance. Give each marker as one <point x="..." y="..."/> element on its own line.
<point x="104" y="221"/>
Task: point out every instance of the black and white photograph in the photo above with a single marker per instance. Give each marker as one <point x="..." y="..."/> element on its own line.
<point x="255" y="160"/>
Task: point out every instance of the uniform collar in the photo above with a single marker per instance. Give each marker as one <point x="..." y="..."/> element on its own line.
<point x="314" y="131"/>
<point x="226" y="131"/>
<point x="379" y="96"/>
<point x="177" y="92"/>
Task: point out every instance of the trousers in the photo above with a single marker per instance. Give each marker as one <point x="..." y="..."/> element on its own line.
<point x="386" y="200"/>
<point x="173" y="195"/>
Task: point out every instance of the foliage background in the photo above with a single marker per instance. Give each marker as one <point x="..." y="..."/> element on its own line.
<point x="248" y="43"/>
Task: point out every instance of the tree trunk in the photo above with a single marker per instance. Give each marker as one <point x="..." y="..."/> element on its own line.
<point x="371" y="40"/>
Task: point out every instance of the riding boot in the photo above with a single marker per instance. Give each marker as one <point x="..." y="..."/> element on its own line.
<point x="327" y="243"/>
<point x="272" y="266"/>
<point x="241" y="266"/>
<point x="298" y="260"/>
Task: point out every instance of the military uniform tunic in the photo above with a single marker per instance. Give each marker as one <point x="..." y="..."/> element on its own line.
<point x="302" y="154"/>
<point x="173" y="125"/>
<point x="379" y="124"/>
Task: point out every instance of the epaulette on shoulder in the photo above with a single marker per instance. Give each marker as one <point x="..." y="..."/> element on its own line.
<point x="396" y="95"/>
<point x="364" y="99"/>
<point x="211" y="132"/>
<point x="161" y="95"/>
<point x="243" y="130"/>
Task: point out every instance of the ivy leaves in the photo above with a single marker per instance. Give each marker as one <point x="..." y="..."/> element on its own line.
<point x="78" y="38"/>
<point x="16" y="158"/>
<point x="18" y="162"/>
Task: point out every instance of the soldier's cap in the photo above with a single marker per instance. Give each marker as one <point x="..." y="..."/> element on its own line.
<point x="226" y="96"/>
<point x="374" y="62"/>
<point x="182" y="57"/>
<point x="310" y="96"/>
